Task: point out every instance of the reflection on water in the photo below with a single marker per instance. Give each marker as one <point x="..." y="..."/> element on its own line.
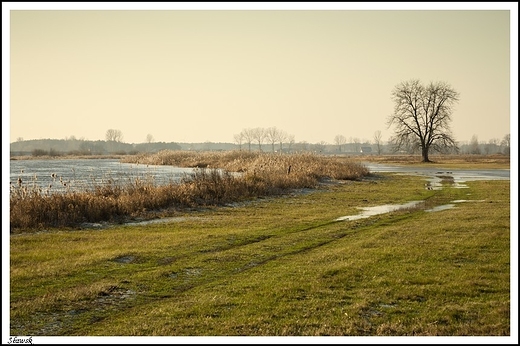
<point x="380" y="209"/>
<point x="437" y="177"/>
<point x="387" y="208"/>
<point x="441" y="207"/>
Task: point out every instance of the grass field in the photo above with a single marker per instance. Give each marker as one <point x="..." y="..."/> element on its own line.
<point x="279" y="266"/>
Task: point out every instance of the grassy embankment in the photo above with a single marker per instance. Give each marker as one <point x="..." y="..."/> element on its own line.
<point x="280" y="266"/>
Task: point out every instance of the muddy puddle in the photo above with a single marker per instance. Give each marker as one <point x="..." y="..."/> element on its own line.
<point x="377" y="210"/>
<point x="367" y="212"/>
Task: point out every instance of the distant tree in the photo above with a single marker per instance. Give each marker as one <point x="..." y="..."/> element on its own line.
<point x="340" y="140"/>
<point x="149" y="138"/>
<point x="506" y="144"/>
<point x="422" y="116"/>
<point x="301" y="146"/>
<point x="378" y="141"/>
<point x="474" y="145"/>
<point x="274" y="135"/>
<point x="282" y="136"/>
<point x="54" y="152"/>
<point x="259" y="134"/>
<point x="290" y="140"/>
<point x="19" y="139"/>
<point x="320" y="146"/>
<point x="357" y="144"/>
<point x="239" y="137"/>
<point x="491" y="146"/>
<point x="248" y="135"/>
<point x="114" y="135"/>
<point x="271" y="135"/>
<point x="39" y="152"/>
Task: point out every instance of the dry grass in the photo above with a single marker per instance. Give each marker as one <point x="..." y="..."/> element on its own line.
<point x="212" y="184"/>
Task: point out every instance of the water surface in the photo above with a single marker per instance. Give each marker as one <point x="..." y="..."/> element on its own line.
<point x="80" y="174"/>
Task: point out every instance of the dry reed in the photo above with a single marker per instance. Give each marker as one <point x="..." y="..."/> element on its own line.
<point x="220" y="178"/>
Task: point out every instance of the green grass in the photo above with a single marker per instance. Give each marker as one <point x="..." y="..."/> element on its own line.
<point x="279" y="266"/>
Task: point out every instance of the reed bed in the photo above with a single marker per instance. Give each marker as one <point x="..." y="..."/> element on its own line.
<point x="220" y="178"/>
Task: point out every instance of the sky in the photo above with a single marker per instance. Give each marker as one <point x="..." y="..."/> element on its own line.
<point x="195" y="73"/>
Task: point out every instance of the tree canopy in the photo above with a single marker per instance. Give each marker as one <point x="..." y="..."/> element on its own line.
<point x="422" y="117"/>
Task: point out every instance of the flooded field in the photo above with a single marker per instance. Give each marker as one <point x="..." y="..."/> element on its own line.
<point x="82" y="174"/>
<point x="435" y="176"/>
<point x="435" y="179"/>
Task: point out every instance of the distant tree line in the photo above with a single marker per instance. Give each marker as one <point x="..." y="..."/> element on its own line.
<point x="270" y="139"/>
<point x="258" y="136"/>
<point x="72" y="146"/>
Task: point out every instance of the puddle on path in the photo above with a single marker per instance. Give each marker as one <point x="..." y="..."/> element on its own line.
<point x="379" y="209"/>
<point x="154" y="221"/>
<point x="441" y="207"/>
<point x="387" y="208"/>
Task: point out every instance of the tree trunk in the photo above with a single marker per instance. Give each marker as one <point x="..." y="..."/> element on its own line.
<point x="425" y="150"/>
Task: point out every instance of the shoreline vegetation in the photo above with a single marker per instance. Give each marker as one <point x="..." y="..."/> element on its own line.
<point x="220" y="178"/>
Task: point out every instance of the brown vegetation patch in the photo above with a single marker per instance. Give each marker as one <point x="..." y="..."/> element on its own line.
<point x="261" y="174"/>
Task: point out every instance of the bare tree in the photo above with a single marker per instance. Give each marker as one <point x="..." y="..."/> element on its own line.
<point x="259" y="134"/>
<point x="282" y="136"/>
<point x="239" y="137"/>
<point x="248" y="136"/>
<point x="378" y="141"/>
<point x="340" y="140"/>
<point x="149" y="138"/>
<point x="271" y="134"/>
<point x="114" y="135"/>
<point x="506" y="143"/>
<point x="422" y="116"/>
<point x="474" y="145"/>
<point x="291" y="141"/>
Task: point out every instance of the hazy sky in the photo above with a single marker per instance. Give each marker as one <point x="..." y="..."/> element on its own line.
<point x="204" y="75"/>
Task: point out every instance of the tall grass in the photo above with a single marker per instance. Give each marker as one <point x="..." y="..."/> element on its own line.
<point x="213" y="183"/>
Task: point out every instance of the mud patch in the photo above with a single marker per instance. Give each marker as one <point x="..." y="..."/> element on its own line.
<point x="125" y="259"/>
<point x="441" y="207"/>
